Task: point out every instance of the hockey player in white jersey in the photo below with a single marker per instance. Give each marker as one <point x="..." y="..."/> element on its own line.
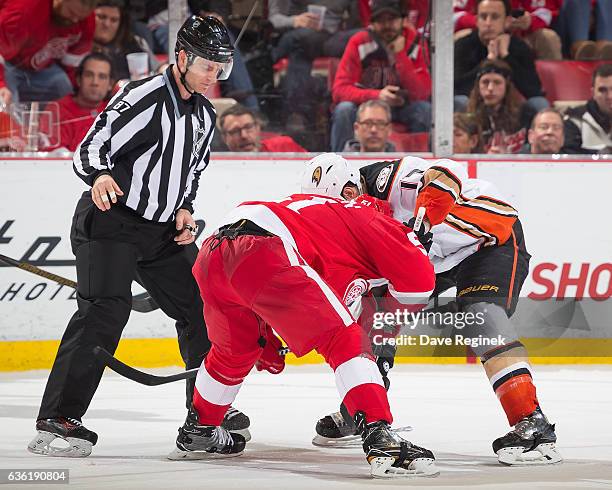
<point x="477" y="247"/>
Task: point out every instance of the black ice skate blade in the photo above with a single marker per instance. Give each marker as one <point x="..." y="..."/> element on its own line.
<point x="180" y="455"/>
<point x="348" y="441"/>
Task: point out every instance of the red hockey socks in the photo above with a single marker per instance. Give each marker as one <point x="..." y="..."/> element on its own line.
<point x="515" y="390"/>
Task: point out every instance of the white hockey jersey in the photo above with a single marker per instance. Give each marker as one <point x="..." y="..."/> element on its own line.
<point x="465" y="214"/>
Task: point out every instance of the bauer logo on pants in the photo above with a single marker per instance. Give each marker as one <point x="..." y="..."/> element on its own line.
<point x="479" y="287"/>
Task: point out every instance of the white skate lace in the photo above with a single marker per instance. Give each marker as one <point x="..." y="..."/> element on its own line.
<point x="222" y="437"/>
<point x="74" y="421"/>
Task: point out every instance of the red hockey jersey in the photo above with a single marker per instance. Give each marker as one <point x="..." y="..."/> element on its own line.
<point x="543" y="12"/>
<point x="343" y="241"/>
<point x="280" y="144"/>
<point x="74" y="122"/>
<point x="31" y="40"/>
<point x="365" y="69"/>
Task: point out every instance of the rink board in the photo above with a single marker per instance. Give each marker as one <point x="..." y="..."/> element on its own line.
<point x="568" y="236"/>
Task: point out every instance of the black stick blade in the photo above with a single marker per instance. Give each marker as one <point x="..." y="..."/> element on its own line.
<point x="141" y="377"/>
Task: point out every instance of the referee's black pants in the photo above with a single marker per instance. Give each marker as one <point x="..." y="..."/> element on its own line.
<point x="112" y="249"/>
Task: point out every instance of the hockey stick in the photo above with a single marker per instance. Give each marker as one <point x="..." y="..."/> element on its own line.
<point x="142" y="303"/>
<point x="141" y="377"/>
<point x="419" y="218"/>
<point x="246" y="23"/>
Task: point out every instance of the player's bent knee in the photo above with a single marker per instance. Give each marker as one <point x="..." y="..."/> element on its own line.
<point x="343" y="344"/>
<point x="494" y="324"/>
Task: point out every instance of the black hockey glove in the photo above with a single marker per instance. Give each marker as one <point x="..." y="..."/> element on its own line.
<point x="426" y="238"/>
<point x="384" y="366"/>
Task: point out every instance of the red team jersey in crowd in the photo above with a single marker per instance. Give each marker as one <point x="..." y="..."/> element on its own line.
<point x="283" y="144"/>
<point x="30" y="40"/>
<point x="543" y="12"/>
<point x="366" y="68"/>
<point x="74" y="122"/>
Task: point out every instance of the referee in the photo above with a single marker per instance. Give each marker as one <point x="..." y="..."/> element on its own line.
<point x="142" y="158"/>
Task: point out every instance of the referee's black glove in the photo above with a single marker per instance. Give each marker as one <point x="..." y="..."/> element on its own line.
<point x="426" y="238"/>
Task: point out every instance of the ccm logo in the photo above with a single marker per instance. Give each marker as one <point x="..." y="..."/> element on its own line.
<point x="596" y="280"/>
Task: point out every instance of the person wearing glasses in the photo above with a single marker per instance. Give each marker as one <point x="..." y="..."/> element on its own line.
<point x="385" y="62"/>
<point x="241" y="132"/>
<point x="372" y="128"/>
<point x="546" y="135"/>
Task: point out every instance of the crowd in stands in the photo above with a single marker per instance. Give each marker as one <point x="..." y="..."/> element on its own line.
<point x="320" y="75"/>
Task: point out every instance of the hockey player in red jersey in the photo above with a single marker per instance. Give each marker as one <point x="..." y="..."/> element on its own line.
<point x="36" y="37"/>
<point x="278" y="265"/>
<point x="478" y="247"/>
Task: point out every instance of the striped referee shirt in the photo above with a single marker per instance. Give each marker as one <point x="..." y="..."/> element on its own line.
<point x="154" y="144"/>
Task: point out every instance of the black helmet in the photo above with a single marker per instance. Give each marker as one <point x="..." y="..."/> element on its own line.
<point x="205" y="37"/>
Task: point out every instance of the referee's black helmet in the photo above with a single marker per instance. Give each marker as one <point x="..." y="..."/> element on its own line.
<point x="205" y="37"/>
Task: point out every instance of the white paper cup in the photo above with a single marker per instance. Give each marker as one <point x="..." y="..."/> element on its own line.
<point x="319" y="11"/>
<point x="138" y="64"/>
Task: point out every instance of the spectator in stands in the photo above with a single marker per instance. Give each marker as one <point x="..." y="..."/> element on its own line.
<point x="41" y="44"/>
<point x="502" y="120"/>
<point x="546" y="135"/>
<point x="490" y="42"/>
<point x="150" y="21"/>
<point x="531" y="20"/>
<point x="372" y="128"/>
<point x="575" y="23"/>
<point x="417" y="13"/>
<point x="464" y="17"/>
<point x="113" y="37"/>
<point x="466" y="137"/>
<point x="305" y="37"/>
<point x="77" y="112"/>
<point x="241" y="131"/>
<point x="387" y="63"/>
<point x="239" y="85"/>
<point x="588" y="128"/>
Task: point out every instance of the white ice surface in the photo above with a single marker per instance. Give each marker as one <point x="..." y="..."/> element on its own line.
<point x="452" y="409"/>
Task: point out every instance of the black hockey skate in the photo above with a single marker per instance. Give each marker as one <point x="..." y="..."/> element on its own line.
<point x="79" y="439"/>
<point x="391" y="456"/>
<point x="338" y="430"/>
<point x="197" y="441"/>
<point x="531" y="442"/>
<point x="237" y="423"/>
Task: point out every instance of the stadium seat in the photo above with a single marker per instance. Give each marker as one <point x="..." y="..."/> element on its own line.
<point x="413" y="142"/>
<point x="331" y="74"/>
<point x="320" y="66"/>
<point x="566" y="80"/>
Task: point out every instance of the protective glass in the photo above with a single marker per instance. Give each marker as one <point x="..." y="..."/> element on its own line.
<point x="203" y="67"/>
